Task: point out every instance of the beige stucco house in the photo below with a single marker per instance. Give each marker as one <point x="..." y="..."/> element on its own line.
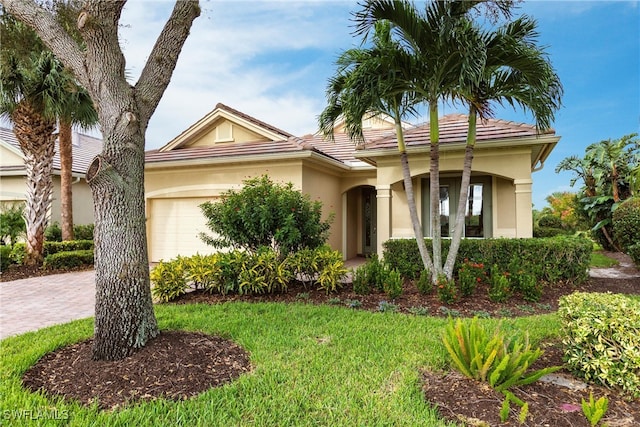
<point x="13" y="182"/>
<point x="361" y="186"/>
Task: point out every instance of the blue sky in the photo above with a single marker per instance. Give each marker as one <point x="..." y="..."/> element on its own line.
<point x="272" y="59"/>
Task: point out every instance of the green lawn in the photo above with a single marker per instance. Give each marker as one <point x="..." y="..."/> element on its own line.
<point x="599" y="260"/>
<point x="313" y="365"/>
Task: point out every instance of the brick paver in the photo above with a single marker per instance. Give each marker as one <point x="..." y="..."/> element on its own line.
<point x="31" y="304"/>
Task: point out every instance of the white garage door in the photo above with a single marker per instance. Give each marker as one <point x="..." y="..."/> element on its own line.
<point x="174" y="228"/>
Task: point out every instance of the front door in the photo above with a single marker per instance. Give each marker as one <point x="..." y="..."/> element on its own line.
<point x="369" y="221"/>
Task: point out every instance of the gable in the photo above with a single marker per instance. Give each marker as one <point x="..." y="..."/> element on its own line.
<point x="9" y="155"/>
<point x="224" y="131"/>
<point x="224" y="125"/>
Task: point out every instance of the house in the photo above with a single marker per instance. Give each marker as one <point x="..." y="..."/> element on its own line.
<point x="362" y="186"/>
<point x="13" y="182"/>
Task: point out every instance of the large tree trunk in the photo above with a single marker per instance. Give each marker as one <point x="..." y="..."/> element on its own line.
<point x="124" y="318"/>
<point x="66" y="196"/>
<point x="36" y="136"/>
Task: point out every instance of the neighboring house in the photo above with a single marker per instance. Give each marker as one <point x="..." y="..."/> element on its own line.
<point x="13" y="175"/>
<point x="362" y="186"/>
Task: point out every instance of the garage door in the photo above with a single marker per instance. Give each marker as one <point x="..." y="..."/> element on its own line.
<point x="174" y="228"/>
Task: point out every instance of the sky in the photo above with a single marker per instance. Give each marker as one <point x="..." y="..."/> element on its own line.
<point x="272" y="60"/>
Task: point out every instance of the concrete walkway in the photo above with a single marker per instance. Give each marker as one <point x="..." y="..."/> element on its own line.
<point x="31" y="304"/>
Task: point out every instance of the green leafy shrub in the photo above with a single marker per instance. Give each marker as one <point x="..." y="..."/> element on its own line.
<point x="83" y="231"/>
<point x="424" y="283"/>
<point x="168" y="279"/>
<point x="361" y="282"/>
<point x="5" y="257"/>
<point x="558" y="259"/>
<point x="499" y="289"/>
<point x="69" y="259"/>
<point x="230" y="265"/>
<point x="602" y="339"/>
<point x="626" y="223"/>
<point x="393" y="284"/>
<point x="263" y="273"/>
<point x="523" y="281"/>
<point x="201" y="271"/>
<point x="470" y="274"/>
<point x="331" y="269"/>
<point x="12" y="223"/>
<point x="634" y="253"/>
<point x="446" y="290"/>
<point x="53" y="233"/>
<point x="18" y="252"/>
<point x="51" y="248"/>
<point x="264" y="213"/>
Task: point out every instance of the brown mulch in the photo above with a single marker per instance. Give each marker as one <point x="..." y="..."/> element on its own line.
<point x="175" y="365"/>
<point x="168" y="367"/>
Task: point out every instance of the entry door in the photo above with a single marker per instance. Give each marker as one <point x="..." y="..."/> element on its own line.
<point x="369" y="221"/>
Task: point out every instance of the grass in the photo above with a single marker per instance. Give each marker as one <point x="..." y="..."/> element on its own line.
<point x="313" y="365"/>
<point x="599" y="260"/>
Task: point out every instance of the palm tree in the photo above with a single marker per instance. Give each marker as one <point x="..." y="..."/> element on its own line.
<point x="443" y="42"/>
<point x="376" y="81"/>
<point x="516" y="72"/>
<point x="36" y="92"/>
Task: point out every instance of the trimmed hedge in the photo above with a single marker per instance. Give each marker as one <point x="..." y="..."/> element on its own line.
<point x="602" y="338"/>
<point x="20" y="249"/>
<point x="557" y="259"/>
<point x="69" y="259"/>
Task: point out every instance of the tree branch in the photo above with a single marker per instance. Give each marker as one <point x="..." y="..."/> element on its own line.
<point x="52" y="34"/>
<point x="157" y="72"/>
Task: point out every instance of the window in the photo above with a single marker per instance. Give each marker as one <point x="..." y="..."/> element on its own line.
<point x="477" y="221"/>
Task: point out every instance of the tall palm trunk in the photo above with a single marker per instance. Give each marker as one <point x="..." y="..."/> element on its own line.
<point x="36" y="136"/>
<point x="124" y="318"/>
<point x="413" y="210"/>
<point x="66" y="196"/>
<point x="434" y="179"/>
<point x="464" y="193"/>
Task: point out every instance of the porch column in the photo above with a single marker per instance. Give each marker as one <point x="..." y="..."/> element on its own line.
<point x="383" y="197"/>
<point x="524" y="206"/>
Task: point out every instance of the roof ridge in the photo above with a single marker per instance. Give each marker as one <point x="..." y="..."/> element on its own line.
<point x="252" y="119"/>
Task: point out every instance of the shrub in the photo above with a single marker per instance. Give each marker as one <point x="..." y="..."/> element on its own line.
<point x="559" y="259"/>
<point x="230" y="264"/>
<point x="265" y="214"/>
<point x="424" y="283"/>
<point x="446" y="290"/>
<point x="5" y="257"/>
<point x="18" y="252"/>
<point x="201" y="270"/>
<point x="53" y="233"/>
<point x="83" y="231"/>
<point x="626" y="223"/>
<point x="634" y="253"/>
<point x="602" y="339"/>
<point x="51" y="248"/>
<point x="392" y="284"/>
<point x="263" y="272"/>
<point x="499" y="290"/>
<point x="361" y="282"/>
<point x="69" y="259"/>
<point x="470" y="274"/>
<point x="168" y="279"/>
<point x="524" y="282"/>
<point x="12" y="223"/>
<point x="332" y="269"/>
<point x="502" y="363"/>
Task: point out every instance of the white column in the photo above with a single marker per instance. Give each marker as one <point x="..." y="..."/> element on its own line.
<point x="383" y="197"/>
<point x="524" y="208"/>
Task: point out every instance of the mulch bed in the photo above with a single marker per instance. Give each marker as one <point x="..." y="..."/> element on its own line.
<point x="169" y="366"/>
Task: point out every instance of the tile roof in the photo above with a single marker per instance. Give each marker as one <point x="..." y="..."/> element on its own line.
<point x="85" y="148"/>
<point x="453" y="129"/>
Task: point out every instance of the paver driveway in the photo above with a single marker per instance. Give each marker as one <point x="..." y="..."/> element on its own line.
<point x="31" y="304"/>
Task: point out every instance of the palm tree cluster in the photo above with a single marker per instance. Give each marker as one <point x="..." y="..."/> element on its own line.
<point x="411" y="59"/>
<point x="39" y="96"/>
<point x="609" y="171"/>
